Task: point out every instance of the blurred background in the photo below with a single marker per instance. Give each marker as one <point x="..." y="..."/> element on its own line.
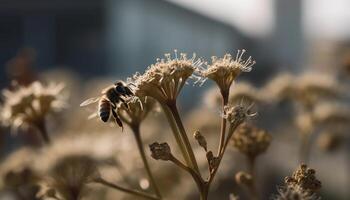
<point x="88" y="43"/>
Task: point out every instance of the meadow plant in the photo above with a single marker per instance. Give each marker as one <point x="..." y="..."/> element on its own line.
<point x="29" y="106"/>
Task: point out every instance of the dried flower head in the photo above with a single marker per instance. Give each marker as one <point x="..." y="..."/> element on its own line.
<point x="69" y="176"/>
<point x="250" y="140"/>
<point x="225" y="70"/>
<point x="244" y="179"/>
<point x="294" y="193"/>
<point x="304" y="178"/>
<point x="237" y="114"/>
<point x="240" y="92"/>
<point x="137" y="110"/>
<point x="18" y="175"/>
<point x="29" y="106"/>
<point x="160" y="151"/>
<point x="165" y="79"/>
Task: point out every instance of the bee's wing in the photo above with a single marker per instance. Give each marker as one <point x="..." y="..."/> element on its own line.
<point x="93" y="115"/>
<point x="90" y="101"/>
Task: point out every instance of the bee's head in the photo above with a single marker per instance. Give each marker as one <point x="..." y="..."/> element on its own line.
<point x="119" y="83"/>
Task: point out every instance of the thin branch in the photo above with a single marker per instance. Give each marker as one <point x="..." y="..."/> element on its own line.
<point x="126" y="190"/>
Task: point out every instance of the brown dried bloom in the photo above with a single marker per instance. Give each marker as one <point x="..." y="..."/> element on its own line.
<point x="244" y="179"/>
<point x="304" y="178"/>
<point x="225" y="70"/>
<point x="160" y="151"/>
<point x="294" y="193"/>
<point x="302" y="185"/>
<point x="69" y="176"/>
<point x="165" y="79"/>
<point x="237" y="114"/>
<point x="242" y="91"/>
<point x="29" y="106"/>
<point x="137" y="110"/>
<point x="250" y="140"/>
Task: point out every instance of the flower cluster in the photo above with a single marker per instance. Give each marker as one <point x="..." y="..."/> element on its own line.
<point x="304" y="178"/>
<point x="69" y="176"/>
<point x="165" y="79"/>
<point x="225" y="70"/>
<point x="250" y="140"/>
<point x="302" y="185"/>
<point x="28" y="106"/>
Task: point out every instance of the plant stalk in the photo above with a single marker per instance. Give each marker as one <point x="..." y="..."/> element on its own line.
<point x="129" y="191"/>
<point x="183" y="134"/>
<point x="176" y="134"/>
<point x="225" y="95"/>
<point x="136" y="130"/>
<point x="43" y="131"/>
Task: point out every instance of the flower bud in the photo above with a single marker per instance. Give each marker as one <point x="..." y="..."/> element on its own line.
<point x="160" y="151"/>
<point x="200" y="139"/>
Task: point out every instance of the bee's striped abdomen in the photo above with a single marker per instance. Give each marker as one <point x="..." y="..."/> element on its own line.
<point x="104" y="109"/>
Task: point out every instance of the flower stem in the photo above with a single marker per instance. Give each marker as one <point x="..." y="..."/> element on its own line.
<point x="129" y="191"/>
<point x="43" y="131"/>
<point x="136" y="130"/>
<point x="253" y="190"/>
<point x="225" y="95"/>
<point x="305" y="147"/>
<point x="201" y="184"/>
<point x="184" y="137"/>
<point x="176" y="134"/>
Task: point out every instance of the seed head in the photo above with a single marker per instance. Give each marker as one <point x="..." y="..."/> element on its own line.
<point x="27" y="106"/>
<point x="237" y="114"/>
<point x="294" y="193"/>
<point x="304" y="178"/>
<point x="165" y="79"/>
<point x="225" y="70"/>
<point x="69" y="176"/>
<point x="160" y="151"/>
<point x="250" y="140"/>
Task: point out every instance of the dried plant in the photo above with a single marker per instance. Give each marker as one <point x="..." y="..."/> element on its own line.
<point x="308" y="92"/>
<point x="302" y="185"/>
<point x="28" y="107"/>
<point x="251" y="141"/>
<point x="69" y="176"/>
<point x="163" y="82"/>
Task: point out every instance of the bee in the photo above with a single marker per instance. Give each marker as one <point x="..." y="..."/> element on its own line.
<point x="110" y="100"/>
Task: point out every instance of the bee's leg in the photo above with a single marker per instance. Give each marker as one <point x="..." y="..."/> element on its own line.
<point x="117" y="119"/>
<point x="128" y="92"/>
<point x="124" y="102"/>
